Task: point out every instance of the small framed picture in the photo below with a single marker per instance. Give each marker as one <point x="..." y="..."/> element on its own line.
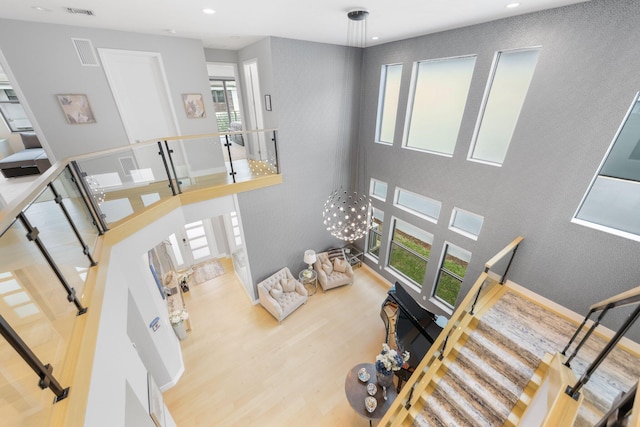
<point x="194" y="105"/>
<point x="76" y="108"/>
<point x="267" y="102"/>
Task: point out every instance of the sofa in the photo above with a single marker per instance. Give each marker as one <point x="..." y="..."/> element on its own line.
<point x="281" y="294"/>
<point x="333" y="269"/>
<point x="30" y="161"/>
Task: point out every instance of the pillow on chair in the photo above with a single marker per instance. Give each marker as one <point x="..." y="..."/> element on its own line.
<point x="327" y="267"/>
<point x="340" y="265"/>
<point x="288" y="285"/>
<point x="276" y="291"/>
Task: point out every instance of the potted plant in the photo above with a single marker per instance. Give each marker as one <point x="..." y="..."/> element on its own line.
<point x="177" y="318"/>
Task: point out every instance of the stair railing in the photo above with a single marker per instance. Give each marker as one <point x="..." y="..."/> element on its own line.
<point x="629" y="297"/>
<point x="624" y="412"/>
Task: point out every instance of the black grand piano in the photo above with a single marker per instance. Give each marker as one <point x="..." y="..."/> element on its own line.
<point x="409" y="327"/>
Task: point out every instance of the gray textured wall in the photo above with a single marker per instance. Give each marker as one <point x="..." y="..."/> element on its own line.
<point x="585" y="80"/>
<point x="44" y="62"/>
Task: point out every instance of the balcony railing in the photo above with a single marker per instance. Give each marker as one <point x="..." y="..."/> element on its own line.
<point x="48" y="242"/>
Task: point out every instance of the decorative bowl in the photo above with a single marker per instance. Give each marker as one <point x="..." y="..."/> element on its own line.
<point x="372" y="389"/>
<point x="370" y="403"/>
<point x="363" y="375"/>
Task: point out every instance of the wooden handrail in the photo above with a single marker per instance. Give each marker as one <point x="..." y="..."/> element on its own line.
<point x="208" y="135"/>
<point x="631" y="296"/>
<point x="507" y="249"/>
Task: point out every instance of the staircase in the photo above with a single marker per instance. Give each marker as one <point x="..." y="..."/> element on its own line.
<point x="497" y="362"/>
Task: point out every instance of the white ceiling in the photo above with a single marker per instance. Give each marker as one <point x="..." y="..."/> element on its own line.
<point x="238" y="23"/>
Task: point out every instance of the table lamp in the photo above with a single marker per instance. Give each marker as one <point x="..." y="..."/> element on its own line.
<point x="309" y="258"/>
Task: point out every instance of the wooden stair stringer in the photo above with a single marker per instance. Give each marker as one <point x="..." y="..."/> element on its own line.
<point x="529" y="391"/>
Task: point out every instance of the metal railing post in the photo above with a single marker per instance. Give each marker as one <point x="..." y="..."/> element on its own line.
<point x="575" y="335"/>
<point x="506" y="270"/>
<point x="32" y="235"/>
<point x="166" y="167"/>
<point x="275" y="146"/>
<point x="45" y="372"/>
<point x="173" y="168"/>
<point x="228" y="145"/>
<point x="586" y="337"/>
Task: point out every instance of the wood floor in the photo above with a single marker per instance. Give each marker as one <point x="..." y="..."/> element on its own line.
<point x="243" y="369"/>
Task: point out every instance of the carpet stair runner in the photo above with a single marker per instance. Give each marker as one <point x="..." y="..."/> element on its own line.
<point x="494" y="369"/>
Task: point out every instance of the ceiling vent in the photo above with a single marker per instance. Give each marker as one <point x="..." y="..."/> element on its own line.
<point x="77" y="11"/>
<point x="85" y="51"/>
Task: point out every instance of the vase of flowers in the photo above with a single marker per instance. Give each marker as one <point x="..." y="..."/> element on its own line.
<point x="177" y="318"/>
<point x="387" y="362"/>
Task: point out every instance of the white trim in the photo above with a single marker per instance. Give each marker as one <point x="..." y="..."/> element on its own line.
<point x="606" y="229"/>
<point x="423" y="150"/>
<point x="372" y="187"/>
<point x="382" y="93"/>
<point x="414" y="212"/>
<point x="443" y="255"/>
<point x="460" y="231"/>
<point x="402" y="278"/>
<point x="177" y="376"/>
<point x="442" y="306"/>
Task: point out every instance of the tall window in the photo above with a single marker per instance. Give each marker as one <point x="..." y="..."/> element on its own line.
<point x="378" y="189"/>
<point x="375" y="232"/>
<point x="453" y="268"/>
<point x="611" y="203"/>
<point x="436" y="103"/>
<point x="503" y="99"/>
<point x="388" y="102"/>
<point x="410" y="249"/>
<point x="416" y="204"/>
<point x="12" y="112"/>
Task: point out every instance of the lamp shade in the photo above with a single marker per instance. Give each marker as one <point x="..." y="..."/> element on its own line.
<point x="309" y="257"/>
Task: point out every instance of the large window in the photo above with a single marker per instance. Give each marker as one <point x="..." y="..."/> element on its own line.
<point x="453" y="268"/>
<point x="388" y="102"/>
<point x="505" y="93"/>
<point x="436" y="103"/>
<point x="612" y="201"/>
<point x="409" y="251"/>
<point x="466" y="223"/>
<point x="421" y="206"/>
<point x="375" y="232"/>
<point x="12" y="112"/>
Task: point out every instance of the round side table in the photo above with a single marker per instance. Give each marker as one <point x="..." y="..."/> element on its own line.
<point x="356" y="392"/>
<point x="309" y="278"/>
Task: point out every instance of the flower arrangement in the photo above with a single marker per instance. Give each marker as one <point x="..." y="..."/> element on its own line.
<point x="389" y="360"/>
<point x="178" y="316"/>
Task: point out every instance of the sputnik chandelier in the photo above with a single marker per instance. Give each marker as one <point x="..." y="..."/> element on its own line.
<point x="345" y="213"/>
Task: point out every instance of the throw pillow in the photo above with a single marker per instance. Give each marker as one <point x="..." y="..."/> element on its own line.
<point x="283" y="283"/>
<point x="290" y="286"/>
<point x="340" y="265"/>
<point x="327" y="267"/>
<point x="276" y="291"/>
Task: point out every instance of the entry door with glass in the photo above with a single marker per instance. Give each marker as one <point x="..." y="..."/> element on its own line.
<point x="193" y="245"/>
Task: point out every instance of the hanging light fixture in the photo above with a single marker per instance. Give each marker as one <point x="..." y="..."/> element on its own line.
<point x="346" y="213"/>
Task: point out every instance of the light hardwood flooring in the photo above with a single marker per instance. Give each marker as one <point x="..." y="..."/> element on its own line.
<point x="244" y="369"/>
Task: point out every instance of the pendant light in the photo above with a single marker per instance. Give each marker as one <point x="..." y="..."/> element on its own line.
<point x="346" y="213"/>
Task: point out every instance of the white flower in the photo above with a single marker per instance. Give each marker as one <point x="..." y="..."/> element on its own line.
<point x="178" y="316"/>
<point x="390" y="359"/>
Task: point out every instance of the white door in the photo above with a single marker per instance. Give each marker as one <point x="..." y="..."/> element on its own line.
<point x="141" y="93"/>
<point x="194" y="244"/>
<point x="256" y="145"/>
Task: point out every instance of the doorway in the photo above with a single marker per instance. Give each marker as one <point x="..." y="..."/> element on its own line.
<point x="256" y="144"/>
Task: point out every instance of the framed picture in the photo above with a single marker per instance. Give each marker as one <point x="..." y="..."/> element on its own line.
<point x="76" y="108"/>
<point x="194" y="105"/>
<point x="156" y="404"/>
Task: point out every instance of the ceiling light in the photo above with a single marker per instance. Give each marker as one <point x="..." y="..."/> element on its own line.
<point x="208" y="11"/>
<point x="513" y="5"/>
<point x="375" y="38"/>
<point x="170" y="31"/>
<point x="41" y="9"/>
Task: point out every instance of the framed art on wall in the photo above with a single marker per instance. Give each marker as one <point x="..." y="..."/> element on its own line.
<point x="76" y="108"/>
<point x="194" y="105"/>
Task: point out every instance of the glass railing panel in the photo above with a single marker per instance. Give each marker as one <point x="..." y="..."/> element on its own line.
<point x="77" y="208"/>
<point x="199" y="162"/>
<point x="57" y="236"/>
<point x="34" y="303"/>
<point x="126" y="181"/>
<point x="259" y="157"/>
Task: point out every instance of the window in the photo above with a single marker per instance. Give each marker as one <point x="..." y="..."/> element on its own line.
<point x="466" y="223"/>
<point x="611" y="203"/>
<point x="454" y="265"/>
<point x="378" y="189"/>
<point x="503" y="99"/>
<point x="436" y="103"/>
<point x="375" y="232"/>
<point x="388" y="102"/>
<point x="12" y="112"/>
<point x="409" y="251"/>
<point x="421" y="206"/>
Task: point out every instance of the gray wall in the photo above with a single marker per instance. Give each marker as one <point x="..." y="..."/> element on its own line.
<point x="585" y="80"/>
<point x="44" y="62"/>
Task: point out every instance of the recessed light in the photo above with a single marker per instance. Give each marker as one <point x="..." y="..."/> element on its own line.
<point x="512" y="5"/>
<point x="170" y="31"/>
<point x="208" y="11"/>
<point x="41" y="9"/>
<point x="375" y="38"/>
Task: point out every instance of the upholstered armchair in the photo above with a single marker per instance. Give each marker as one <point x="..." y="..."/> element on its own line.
<point x="333" y="269"/>
<point x="281" y="294"/>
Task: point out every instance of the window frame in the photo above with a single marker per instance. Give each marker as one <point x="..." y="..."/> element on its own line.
<point x="378" y="234"/>
<point x="15" y="101"/>
<point x="441" y="269"/>
<point x="372" y="185"/>
<point x="460" y="231"/>
<point x="382" y="93"/>
<point x="421" y="215"/>
<point x="393" y="270"/>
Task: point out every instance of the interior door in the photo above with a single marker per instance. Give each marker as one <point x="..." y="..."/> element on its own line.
<point x="257" y="144"/>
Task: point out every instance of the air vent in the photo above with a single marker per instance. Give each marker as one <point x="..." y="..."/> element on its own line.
<point x="77" y="11"/>
<point x="86" y="53"/>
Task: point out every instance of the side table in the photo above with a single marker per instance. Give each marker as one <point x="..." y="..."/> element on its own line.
<point x="309" y="277"/>
<point x="356" y="392"/>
